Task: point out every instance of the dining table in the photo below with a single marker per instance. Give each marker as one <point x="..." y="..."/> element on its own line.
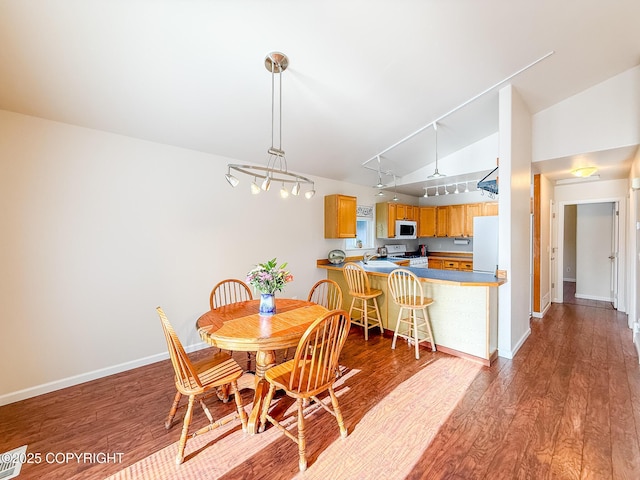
<point x="240" y="327"/>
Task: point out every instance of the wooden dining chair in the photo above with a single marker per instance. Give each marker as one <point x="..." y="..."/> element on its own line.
<point x="362" y="293"/>
<point x="406" y="290"/>
<point x="197" y="379"/>
<point x="309" y="373"/>
<point x="230" y="291"/>
<point x="326" y="293"/>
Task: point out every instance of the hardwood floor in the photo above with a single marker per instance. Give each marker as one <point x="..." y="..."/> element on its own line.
<point x="567" y="406"/>
<point x="569" y="296"/>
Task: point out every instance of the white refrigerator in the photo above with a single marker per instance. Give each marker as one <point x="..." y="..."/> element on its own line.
<point x="485" y="244"/>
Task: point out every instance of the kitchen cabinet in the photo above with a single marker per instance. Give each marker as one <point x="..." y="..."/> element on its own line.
<point x="450" y="265"/>
<point x="466" y="266"/>
<point x="459" y="264"/>
<point x="442" y="221"/>
<point x="456" y="221"/>
<point x="340" y="216"/>
<point x="471" y="210"/>
<point x="427" y="222"/>
<point x="489" y="208"/>
<point x="406" y="212"/>
<point x="436" y="263"/>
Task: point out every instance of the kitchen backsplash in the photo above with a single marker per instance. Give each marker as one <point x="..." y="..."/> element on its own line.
<point x="434" y="244"/>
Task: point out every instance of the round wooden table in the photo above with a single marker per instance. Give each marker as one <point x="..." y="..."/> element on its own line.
<point x="239" y="327"/>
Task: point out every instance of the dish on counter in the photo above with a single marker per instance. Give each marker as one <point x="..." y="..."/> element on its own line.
<point x="336" y="256"/>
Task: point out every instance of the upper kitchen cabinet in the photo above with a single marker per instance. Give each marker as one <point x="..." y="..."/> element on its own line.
<point x="456" y="221"/>
<point x="427" y="222"/>
<point x="442" y="221"/>
<point x="406" y="212"/>
<point x="489" y="208"/>
<point x="471" y="210"/>
<point x="340" y="216"/>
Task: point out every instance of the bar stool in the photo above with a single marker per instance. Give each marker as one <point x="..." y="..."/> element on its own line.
<point x="362" y="292"/>
<point x="407" y="293"/>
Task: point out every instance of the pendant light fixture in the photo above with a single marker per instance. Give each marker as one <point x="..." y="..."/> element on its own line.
<point x="276" y="169"/>
<point x="379" y="185"/>
<point x="436" y="174"/>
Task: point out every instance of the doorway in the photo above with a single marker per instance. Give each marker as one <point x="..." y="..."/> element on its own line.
<point x="588" y="241"/>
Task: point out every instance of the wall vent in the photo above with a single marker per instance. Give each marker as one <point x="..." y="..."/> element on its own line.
<point x="11" y="462"/>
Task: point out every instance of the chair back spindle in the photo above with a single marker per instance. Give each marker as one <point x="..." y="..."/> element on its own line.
<point x="316" y="359"/>
<point x="326" y="293"/>
<point x="184" y="370"/>
<point x="229" y="291"/>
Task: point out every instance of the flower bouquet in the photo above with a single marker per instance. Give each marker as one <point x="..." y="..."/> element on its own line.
<point x="269" y="278"/>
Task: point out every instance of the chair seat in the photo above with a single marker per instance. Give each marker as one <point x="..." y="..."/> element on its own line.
<point x="280" y="375"/>
<point x="214" y="371"/>
<point x="370" y="293"/>
<point x="413" y="302"/>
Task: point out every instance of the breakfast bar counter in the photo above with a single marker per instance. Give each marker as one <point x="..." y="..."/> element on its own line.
<point x="464" y="315"/>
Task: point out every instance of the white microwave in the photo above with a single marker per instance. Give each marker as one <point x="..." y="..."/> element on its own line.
<point x="406" y="229"/>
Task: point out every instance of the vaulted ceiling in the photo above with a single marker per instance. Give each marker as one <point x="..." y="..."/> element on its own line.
<point x="362" y="74"/>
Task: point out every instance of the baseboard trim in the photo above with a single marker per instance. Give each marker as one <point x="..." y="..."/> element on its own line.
<point x="512" y="353"/>
<point x="543" y="313"/>
<point x="593" y="297"/>
<point x="34" y="391"/>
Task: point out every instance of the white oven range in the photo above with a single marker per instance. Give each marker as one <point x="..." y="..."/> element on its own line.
<point x="400" y="252"/>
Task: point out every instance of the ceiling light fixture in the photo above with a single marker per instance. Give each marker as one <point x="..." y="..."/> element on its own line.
<point x="380" y="184"/>
<point x="426" y="193"/>
<point x="584" y="171"/>
<point x="466" y="187"/>
<point x="395" y="190"/>
<point x="276" y="169"/>
<point x="436" y="174"/>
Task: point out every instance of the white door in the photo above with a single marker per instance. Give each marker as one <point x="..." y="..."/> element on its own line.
<point x="594" y="249"/>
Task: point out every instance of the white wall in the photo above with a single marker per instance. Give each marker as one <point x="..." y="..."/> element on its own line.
<point x="633" y="250"/>
<point x="99" y="229"/>
<point x="604" y="116"/>
<point x="514" y="221"/>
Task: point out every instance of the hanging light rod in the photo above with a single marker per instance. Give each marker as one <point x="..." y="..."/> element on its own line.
<point x="276" y="169"/>
<point x="472" y="99"/>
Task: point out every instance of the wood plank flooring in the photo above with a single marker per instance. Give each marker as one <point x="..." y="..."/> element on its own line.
<point x="566" y="407"/>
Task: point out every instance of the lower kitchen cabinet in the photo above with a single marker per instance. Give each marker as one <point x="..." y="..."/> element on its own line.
<point x="448" y="264"/>
<point x="436" y="263"/>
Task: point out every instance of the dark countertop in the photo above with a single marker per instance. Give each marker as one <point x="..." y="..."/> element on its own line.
<point x="432" y="275"/>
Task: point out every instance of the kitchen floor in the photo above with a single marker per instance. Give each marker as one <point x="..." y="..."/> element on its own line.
<point x="569" y="296"/>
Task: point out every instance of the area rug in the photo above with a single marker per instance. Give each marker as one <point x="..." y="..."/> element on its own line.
<point x="384" y="444"/>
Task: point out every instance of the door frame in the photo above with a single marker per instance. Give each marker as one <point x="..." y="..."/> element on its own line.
<point x="559" y="235"/>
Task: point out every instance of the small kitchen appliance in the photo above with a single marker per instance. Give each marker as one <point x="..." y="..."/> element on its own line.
<point x="406" y="229"/>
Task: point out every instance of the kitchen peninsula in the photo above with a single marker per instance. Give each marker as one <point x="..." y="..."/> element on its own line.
<point x="464" y="315"/>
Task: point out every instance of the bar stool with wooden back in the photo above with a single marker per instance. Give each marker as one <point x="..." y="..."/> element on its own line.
<point x="362" y="293"/>
<point x="406" y="290"/>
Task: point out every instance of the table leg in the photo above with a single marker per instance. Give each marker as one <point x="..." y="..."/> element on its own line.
<point x="264" y="360"/>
